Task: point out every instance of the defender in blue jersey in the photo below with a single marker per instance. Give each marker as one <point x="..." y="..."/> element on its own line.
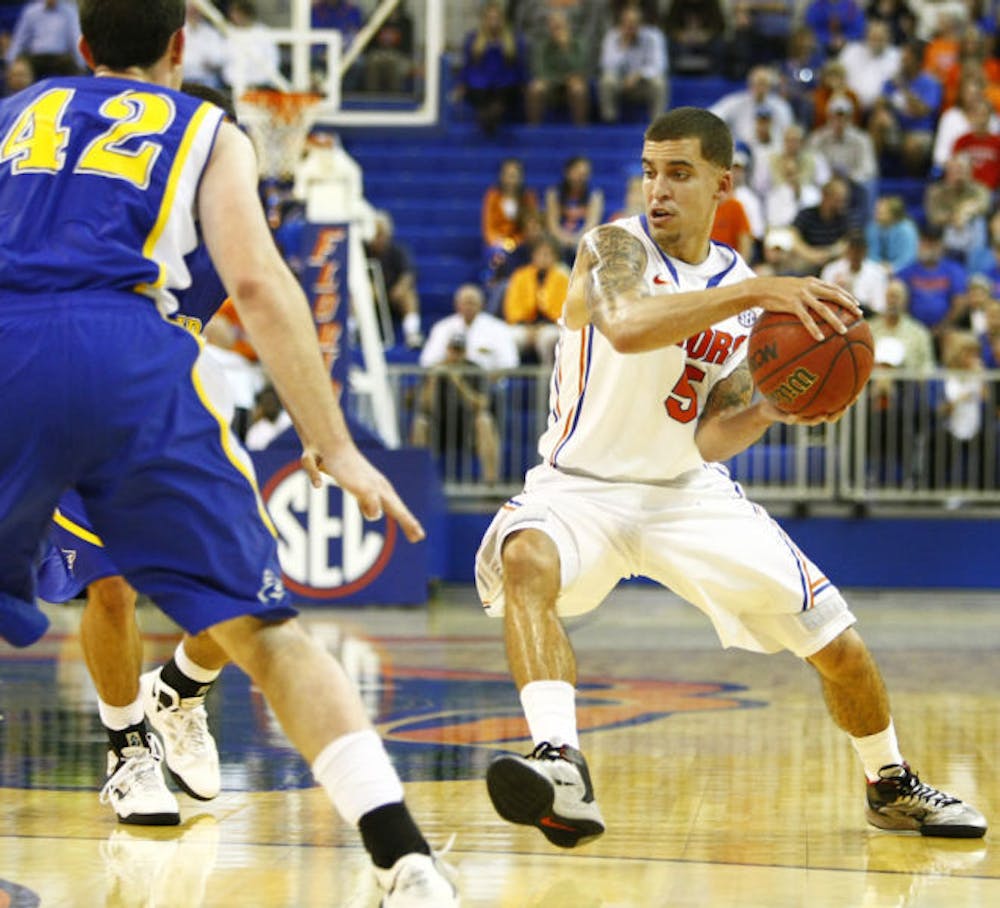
<point x="172" y="697"/>
<point x="104" y="184"/>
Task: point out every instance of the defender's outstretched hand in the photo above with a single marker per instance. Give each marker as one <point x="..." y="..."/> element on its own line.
<point x="355" y="474"/>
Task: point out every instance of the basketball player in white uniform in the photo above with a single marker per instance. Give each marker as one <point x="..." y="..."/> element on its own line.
<point x="650" y="389"/>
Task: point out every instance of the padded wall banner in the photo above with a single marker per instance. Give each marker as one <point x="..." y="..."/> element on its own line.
<point x="324" y="277"/>
<point x="329" y="553"/>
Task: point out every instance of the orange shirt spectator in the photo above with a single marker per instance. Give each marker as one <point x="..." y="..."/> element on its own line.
<point x="534" y="294"/>
<point x="533" y="302"/>
<point x="504" y="205"/>
<point x="941" y="58"/>
<point x="732" y="226"/>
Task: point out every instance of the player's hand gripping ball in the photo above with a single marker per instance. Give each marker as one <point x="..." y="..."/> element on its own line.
<point x="806" y="377"/>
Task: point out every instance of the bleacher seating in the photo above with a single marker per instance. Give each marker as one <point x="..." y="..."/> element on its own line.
<point x="432" y="181"/>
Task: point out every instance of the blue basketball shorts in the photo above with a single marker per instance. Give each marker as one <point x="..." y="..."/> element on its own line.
<point x="103" y="396"/>
<point x="75" y="555"/>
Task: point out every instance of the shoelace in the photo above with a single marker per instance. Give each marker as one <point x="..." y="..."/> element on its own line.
<point x="546" y="751"/>
<point x="914" y="791"/>
<point x="140" y="769"/>
<point x="189" y="726"/>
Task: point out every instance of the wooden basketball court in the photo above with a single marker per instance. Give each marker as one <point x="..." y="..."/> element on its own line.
<point x="721" y="778"/>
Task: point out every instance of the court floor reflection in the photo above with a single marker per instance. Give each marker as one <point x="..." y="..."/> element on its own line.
<point x="721" y="778"/>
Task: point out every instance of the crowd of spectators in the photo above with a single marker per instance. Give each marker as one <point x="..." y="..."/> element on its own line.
<point x="838" y="95"/>
<point x="38" y="38"/>
<point x="837" y="99"/>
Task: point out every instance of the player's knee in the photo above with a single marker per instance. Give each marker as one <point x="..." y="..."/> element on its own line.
<point x="530" y="556"/>
<point x="841" y="656"/>
<point x="112" y="595"/>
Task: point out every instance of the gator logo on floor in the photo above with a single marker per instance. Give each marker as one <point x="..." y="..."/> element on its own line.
<point x="428" y="713"/>
<point x="14" y="896"/>
<point x="468" y="710"/>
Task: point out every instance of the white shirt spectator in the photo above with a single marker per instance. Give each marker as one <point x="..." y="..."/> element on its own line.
<point x="965" y="394"/>
<point x="264" y="431"/>
<point x="739" y="110"/>
<point x="646" y="58"/>
<point x="867" y="284"/>
<point x="205" y="52"/>
<point x="953" y="124"/>
<point x="785" y="201"/>
<point x="489" y="342"/>
<point x="754" y="210"/>
<point x="47" y="28"/>
<point x="251" y="57"/>
<point x="849" y="153"/>
<point x="868" y="70"/>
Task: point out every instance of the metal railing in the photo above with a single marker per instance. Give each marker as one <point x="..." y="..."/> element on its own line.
<point x="901" y="443"/>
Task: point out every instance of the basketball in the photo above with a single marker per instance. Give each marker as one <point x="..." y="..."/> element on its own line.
<point x="804" y="376"/>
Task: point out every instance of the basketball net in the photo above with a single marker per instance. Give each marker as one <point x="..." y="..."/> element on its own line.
<point x="278" y="123"/>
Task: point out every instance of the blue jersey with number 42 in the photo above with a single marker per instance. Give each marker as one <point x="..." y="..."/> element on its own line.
<point x="98" y="180"/>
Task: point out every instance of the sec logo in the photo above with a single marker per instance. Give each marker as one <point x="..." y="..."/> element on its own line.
<point x="326" y="547"/>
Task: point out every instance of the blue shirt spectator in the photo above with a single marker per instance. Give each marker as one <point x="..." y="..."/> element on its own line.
<point x="341" y="15"/>
<point x="892" y="234"/>
<point x="47" y="28"/>
<point x="933" y="280"/>
<point x="491" y="64"/>
<point x="914" y="95"/>
<point x="494" y="68"/>
<point x="835" y="22"/>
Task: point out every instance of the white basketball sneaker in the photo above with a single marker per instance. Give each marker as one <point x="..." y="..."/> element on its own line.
<point x="190" y="751"/>
<point x="899" y="800"/>
<point x="418" y="881"/>
<point x="136" y="788"/>
<point x="549" y="788"/>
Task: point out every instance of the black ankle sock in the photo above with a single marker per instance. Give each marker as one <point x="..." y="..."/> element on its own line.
<point x="389" y="832"/>
<point x="133" y="736"/>
<point x="186" y="687"/>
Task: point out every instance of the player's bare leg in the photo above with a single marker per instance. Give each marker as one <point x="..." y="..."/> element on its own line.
<point x="550" y="788"/>
<point x="204" y="651"/>
<point x="858" y="702"/>
<point x="488" y="446"/>
<point x="852" y="685"/>
<point x="538" y="648"/>
<point x="112" y="649"/>
<point x="112" y="646"/>
<point x="322" y="714"/>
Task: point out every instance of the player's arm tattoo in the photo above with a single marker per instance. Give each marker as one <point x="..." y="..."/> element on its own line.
<point x="730" y="395"/>
<point x="616" y="261"/>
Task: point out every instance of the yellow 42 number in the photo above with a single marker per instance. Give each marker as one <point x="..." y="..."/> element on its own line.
<point x="37" y="141"/>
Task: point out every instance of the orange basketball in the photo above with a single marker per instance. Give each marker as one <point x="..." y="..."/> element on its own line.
<point x="804" y="376"/>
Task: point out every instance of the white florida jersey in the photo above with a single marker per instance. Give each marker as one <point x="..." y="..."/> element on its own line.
<point x="632" y="416"/>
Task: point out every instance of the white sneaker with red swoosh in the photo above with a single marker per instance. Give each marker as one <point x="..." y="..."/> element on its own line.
<point x="549" y="788"/>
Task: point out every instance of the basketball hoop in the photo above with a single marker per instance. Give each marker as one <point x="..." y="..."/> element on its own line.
<point x="278" y="123"/>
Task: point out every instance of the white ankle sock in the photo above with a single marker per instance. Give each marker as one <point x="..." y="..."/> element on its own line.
<point x="357" y="775"/>
<point x="878" y="750"/>
<point x="118" y="718"/>
<point x="192" y="669"/>
<point x="550" y="708"/>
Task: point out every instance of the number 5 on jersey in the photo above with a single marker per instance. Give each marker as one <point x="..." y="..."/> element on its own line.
<point x="37" y="141"/>
<point x="682" y="402"/>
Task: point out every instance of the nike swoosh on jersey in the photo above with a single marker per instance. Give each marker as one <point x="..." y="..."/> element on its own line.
<point x="660" y="279"/>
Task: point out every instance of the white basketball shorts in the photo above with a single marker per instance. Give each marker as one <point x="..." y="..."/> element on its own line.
<point x="697" y="535"/>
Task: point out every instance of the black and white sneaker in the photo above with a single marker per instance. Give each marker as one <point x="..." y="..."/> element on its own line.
<point x="189" y="748"/>
<point x="136" y="788"/>
<point x="549" y="788"/>
<point x="899" y="800"/>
